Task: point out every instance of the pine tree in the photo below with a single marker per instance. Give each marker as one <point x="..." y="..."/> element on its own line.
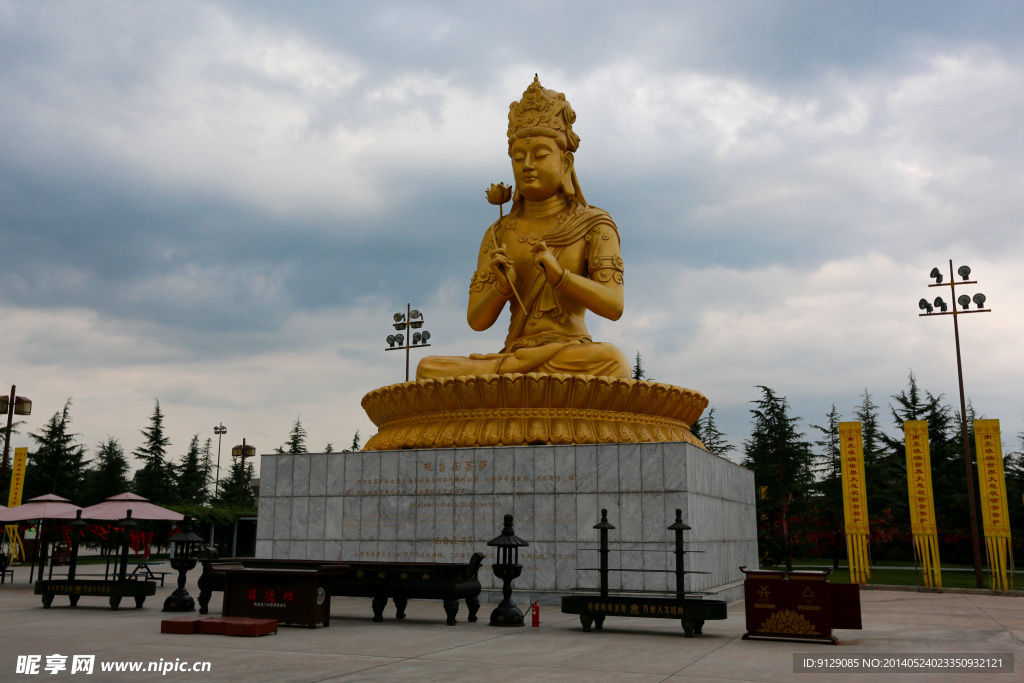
<point x="956" y="479"/>
<point x="155" y="479"/>
<point x="885" y="468"/>
<point x="207" y="462"/>
<point x="109" y="473"/>
<point x="231" y="492"/>
<point x="781" y="462"/>
<point x="708" y="433"/>
<point x="945" y="445"/>
<point x="828" y="487"/>
<point x="58" y="463"/>
<point x="355" y="444"/>
<point x="296" y="442"/>
<point x="638" y="368"/>
<point x="1013" y="467"/>
<point x="192" y="478"/>
<point x="329" y="448"/>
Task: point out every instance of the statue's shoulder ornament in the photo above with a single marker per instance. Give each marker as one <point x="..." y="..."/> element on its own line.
<point x="603" y="267"/>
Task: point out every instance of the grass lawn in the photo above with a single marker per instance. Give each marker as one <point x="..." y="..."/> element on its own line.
<point x="97" y="559"/>
<point x="904" y="574"/>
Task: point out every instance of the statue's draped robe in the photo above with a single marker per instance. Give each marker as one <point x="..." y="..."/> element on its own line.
<point x="548" y="333"/>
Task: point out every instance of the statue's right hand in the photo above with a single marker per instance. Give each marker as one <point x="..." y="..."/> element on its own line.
<point x="504" y="272"/>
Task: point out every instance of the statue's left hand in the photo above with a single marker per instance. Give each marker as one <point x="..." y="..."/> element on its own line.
<point x="546" y="260"/>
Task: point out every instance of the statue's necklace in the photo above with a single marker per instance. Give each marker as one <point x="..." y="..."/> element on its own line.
<point x="534" y="237"/>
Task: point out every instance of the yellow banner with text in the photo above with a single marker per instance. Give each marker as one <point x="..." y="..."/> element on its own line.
<point x="17" y="477"/>
<point x="922" y="502"/>
<point x="855" y="502"/>
<point x="994" y="510"/>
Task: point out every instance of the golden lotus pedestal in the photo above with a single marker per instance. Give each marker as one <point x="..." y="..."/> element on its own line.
<point x="535" y="408"/>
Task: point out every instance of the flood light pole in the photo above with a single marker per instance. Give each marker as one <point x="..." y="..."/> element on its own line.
<point x="929" y="310"/>
<point x="220" y="430"/>
<point x="404" y="321"/>
<point x="242" y="452"/>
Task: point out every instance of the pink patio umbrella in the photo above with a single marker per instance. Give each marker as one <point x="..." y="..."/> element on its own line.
<point x="117" y="507"/>
<point x="49" y="506"/>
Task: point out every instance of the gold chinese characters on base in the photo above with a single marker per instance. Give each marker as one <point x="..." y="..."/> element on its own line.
<point x="535" y="408"/>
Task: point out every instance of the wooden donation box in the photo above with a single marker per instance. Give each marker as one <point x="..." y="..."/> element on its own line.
<point x="798" y="605"/>
<point x="299" y="597"/>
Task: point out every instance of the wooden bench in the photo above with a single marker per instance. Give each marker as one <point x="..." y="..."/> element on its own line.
<point x="381" y="581"/>
<point x="146" y="569"/>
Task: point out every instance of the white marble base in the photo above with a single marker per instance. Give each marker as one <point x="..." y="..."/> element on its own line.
<point x="444" y="505"/>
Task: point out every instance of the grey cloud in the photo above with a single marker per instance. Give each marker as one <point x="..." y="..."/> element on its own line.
<point x="232" y="180"/>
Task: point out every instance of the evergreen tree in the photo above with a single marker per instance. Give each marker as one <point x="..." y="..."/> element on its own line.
<point x="58" y="463"/>
<point x="945" y="445"/>
<point x="230" y="489"/>
<point x="956" y="479"/>
<point x="781" y="462"/>
<point x="296" y="442"/>
<point x="355" y="444"/>
<point x="638" y="368"/>
<point x="206" y="454"/>
<point x="192" y="477"/>
<point x="828" y="488"/>
<point x="15" y="429"/>
<point x="1013" y="467"/>
<point x="708" y="433"/>
<point x="885" y="469"/>
<point x="329" y="448"/>
<point x="155" y="479"/>
<point x="109" y="473"/>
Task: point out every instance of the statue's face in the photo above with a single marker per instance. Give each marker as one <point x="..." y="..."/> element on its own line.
<point x="538" y="165"/>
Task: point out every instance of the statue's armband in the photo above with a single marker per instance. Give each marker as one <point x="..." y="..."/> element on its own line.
<point x="481" y="278"/>
<point x="606" y="269"/>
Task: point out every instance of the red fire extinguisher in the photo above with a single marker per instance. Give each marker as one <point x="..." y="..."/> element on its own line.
<point x="535" y="609"/>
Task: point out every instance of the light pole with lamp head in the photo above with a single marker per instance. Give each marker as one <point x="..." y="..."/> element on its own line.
<point x="220" y="430"/>
<point x="929" y="308"/>
<point x="410" y="319"/>
<point x="242" y="452"/>
<point x="15" y="405"/>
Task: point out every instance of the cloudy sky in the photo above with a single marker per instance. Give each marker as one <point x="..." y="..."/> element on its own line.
<point x="221" y="204"/>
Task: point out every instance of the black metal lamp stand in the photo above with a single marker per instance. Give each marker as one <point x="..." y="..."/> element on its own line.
<point x="507" y="568"/>
<point x="186" y="544"/>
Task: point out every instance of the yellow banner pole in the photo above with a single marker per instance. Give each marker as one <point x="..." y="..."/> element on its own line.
<point x="855" y="502"/>
<point x="17" y="547"/>
<point x="994" y="510"/>
<point x="17" y="477"/>
<point x="14" y="500"/>
<point x="922" y="502"/>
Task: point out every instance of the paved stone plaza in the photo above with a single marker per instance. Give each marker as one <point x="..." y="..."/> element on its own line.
<point x="422" y="648"/>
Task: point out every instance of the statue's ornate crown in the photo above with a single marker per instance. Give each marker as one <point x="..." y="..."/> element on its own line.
<point x="542" y="112"/>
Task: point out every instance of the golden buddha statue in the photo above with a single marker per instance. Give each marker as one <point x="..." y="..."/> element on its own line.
<point x="551" y="259"/>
